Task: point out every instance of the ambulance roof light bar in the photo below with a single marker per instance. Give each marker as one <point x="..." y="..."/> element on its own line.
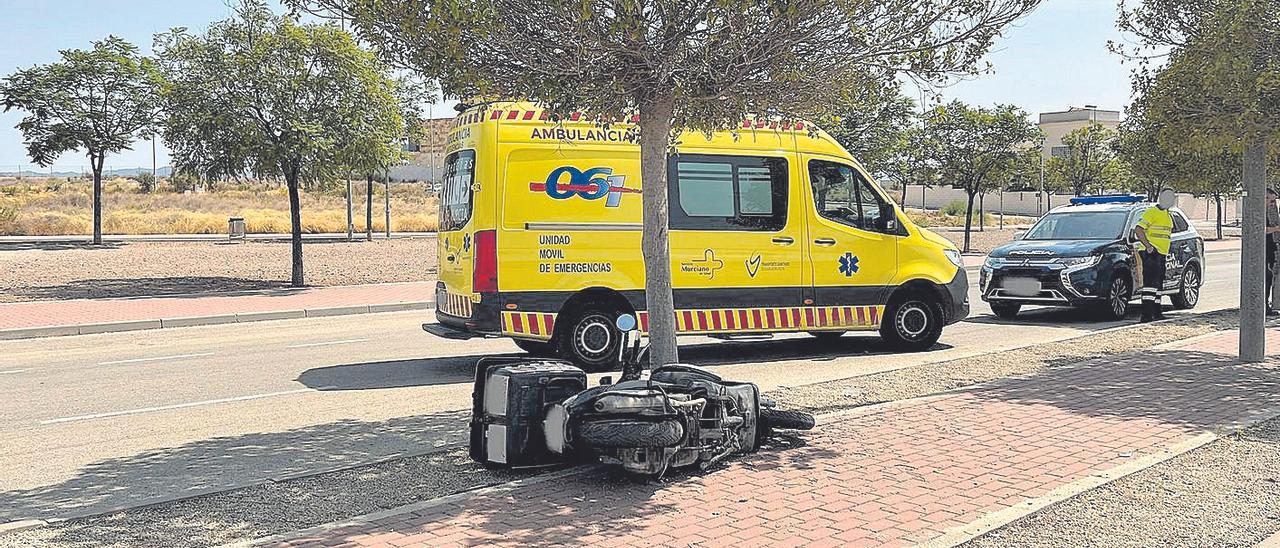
<point x="1109" y="199"/>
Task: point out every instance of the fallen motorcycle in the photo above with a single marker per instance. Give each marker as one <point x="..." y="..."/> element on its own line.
<point x="679" y="416"/>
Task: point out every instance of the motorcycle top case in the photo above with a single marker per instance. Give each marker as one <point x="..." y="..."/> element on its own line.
<point x="510" y="398"/>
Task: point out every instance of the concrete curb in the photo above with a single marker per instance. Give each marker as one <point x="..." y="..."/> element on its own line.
<point x="221" y="319"/>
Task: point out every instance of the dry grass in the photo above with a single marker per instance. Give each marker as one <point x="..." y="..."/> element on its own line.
<point x="58" y="207"/>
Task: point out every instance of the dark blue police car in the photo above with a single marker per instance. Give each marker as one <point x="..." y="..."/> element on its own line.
<point x="1082" y="255"/>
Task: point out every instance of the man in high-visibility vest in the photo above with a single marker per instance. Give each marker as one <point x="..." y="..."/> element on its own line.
<point x="1154" y="230"/>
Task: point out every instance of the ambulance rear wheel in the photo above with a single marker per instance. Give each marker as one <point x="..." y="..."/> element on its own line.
<point x="590" y="339"/>
<point x="912" y="323"/>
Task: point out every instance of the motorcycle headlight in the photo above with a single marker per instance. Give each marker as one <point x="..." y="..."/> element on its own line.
<point x="954" y="257"/>
<point x="1079" y="262"/>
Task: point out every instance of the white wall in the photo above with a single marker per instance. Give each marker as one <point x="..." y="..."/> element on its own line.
<point x="1025" y="203"/>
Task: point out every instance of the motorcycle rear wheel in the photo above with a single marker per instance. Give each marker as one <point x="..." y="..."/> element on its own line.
<point x="786" y="420"/>
<point x="630" y="433"/>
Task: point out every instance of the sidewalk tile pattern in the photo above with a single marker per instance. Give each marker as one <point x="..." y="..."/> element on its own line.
<point x="891" y="475"/>
<point x="79" y="312"/>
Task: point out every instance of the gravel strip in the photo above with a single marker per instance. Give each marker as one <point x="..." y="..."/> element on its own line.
<point x="77" y="271"/>
<point x="260" y="511"/>
<point x="1226" y="493"/>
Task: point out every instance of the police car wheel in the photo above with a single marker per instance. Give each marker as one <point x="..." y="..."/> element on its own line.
<point x="1187" y="297"/>
<point x="1116" y="305"/>
<point x="912" y="324"/>
<point x="591" y="340"/>
<point x="1006" y="311"/>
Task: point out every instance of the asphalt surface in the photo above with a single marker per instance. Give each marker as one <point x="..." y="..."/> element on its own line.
<point x="96" y="423"/>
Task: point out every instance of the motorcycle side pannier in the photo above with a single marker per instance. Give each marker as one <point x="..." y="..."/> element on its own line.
<point x="508" y="403"/>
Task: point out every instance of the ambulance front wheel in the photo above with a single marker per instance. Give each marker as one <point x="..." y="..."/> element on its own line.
<point x="590" y="339"/>
<point x="912" y="323"/>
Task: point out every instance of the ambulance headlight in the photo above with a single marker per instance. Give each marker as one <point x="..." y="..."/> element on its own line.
<point x="954" y="257"/>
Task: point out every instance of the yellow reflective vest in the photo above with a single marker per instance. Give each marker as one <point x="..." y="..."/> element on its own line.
<point x="1158" y="224"/>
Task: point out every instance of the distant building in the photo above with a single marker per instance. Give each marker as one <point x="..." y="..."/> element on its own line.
<point x="1057" y="125"/>
<point x="426" y="158"/>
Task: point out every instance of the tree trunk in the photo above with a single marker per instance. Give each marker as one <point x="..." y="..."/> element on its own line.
<point x="295" y="220"/>
<point x="904" y="196"/>
<point x="97" y="196"/>
<point x="350" y="211"/>
<point x="1217" y="199"/>
<point x="656" y="114"/>
<point x="368" y="207"/>
<point x="1253" y="254"/>
<point x="968" y="220"/>
<point x="982" y="212"/>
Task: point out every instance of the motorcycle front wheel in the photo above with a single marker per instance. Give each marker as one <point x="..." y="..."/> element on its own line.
<point x="775" y="419"/>
<point x="615" y="434"/>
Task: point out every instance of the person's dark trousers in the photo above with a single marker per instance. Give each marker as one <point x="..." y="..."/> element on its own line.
<point x="1152" y="283"/>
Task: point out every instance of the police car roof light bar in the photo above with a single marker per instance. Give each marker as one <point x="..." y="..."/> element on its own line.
<point x="1109" y="199"/>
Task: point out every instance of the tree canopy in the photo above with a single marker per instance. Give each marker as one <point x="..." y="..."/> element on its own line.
<point x="978" y="148"/>
<point x="1088" y="156"/>
<point x="264" y="94"/>
<point x="98" y="101"/>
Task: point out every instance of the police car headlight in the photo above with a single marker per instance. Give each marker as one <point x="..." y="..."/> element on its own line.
<point x="993" y="262"/>
<point x="1080" y="262"/>
<point x="954" y="257"/>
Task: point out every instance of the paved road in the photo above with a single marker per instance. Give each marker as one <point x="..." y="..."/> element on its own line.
<point x="97" y="422"/>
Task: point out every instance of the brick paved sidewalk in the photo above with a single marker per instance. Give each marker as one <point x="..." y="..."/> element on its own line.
<point x="47" y="314"/>
<point x="905" y="473"/>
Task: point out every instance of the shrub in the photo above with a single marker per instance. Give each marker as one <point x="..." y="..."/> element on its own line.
<point x="955" y="208"/>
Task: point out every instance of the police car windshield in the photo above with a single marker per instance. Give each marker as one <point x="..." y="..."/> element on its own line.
<point x="1096" y="225"/>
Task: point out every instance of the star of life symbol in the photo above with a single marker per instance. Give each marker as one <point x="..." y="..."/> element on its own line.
<point x="848" y="264"/>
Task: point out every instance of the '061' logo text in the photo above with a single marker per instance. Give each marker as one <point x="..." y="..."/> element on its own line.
<point x="592" y="184"/>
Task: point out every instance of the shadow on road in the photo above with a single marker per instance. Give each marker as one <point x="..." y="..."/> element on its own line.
<point x="461" y="369"/>
<point x="58" y="245"/>
<point x="180" y="286"/>
<point x="223" y="463"/>
<point x="1077" y="318"/>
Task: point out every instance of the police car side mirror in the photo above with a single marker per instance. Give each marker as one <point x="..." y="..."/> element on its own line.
<point x="1019" y="235"/>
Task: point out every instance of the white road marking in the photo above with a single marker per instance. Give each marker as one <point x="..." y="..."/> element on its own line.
<point x="13" y="371"/>
<point x="179" y="406"/>
<point x="158" y="358"/>
<point x="309" y="345"/>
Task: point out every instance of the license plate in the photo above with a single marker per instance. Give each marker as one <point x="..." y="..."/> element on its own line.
<point x="1022" y="287"/>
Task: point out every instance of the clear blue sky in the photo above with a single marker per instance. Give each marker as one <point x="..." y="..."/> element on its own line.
<point x="1055" y="58"/>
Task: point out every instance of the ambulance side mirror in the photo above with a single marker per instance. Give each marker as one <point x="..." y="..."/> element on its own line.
<point x="888" y="220"/>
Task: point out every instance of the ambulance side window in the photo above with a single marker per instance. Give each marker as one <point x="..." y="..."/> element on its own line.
<point x="710" y="192"/>
<point x="843" y="195"/>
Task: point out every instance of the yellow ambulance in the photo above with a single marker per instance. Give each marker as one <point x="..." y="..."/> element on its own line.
<point x="774" y="228"/>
